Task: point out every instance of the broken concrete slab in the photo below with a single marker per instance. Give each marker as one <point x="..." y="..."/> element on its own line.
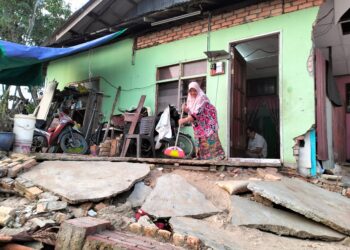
<point x="78" y="182"/>
<point x="174" y="196"/>
<point x="278" y="221"/>
<point x="210" y="236"/>
<point x="318" y="204"/>
<point x="139" y="194"/>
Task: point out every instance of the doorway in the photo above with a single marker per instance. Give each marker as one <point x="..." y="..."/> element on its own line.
<point x="255" y="94"/>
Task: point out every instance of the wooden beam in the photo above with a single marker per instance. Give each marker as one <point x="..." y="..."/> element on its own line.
<point x="238" y="162"/>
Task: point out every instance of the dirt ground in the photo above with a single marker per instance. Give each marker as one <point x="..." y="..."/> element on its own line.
<point x="246" y="237"/>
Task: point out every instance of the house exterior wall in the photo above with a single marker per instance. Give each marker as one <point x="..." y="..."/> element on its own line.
<point x="114" y="64"/>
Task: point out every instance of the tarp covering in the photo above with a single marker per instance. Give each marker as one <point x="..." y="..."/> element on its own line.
<point x="22" y="65"/>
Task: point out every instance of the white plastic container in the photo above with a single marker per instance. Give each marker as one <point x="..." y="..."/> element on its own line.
<point x="23" y="129"/>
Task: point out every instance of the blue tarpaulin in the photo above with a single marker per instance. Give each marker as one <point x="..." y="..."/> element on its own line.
<point x="22" y="65"/>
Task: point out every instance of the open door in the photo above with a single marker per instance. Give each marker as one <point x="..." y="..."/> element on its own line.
<point x="254" y="94"/>
<point x="238" y="104"/>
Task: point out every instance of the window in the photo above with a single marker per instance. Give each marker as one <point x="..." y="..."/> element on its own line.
<point x="172" y="82"/>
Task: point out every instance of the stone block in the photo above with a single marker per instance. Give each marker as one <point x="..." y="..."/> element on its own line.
<point x="3" y="171"/>
<point x="28" y="164"/>
<point x="42" y="222"/>
<point x="6" y="214"/>
<point x="32" y="193"/>
<point x="60" y="217"/>
<point x="164" y="235"/>
<point x="150" y="231"/>
<point x="12" y="164"/>
<point x="178" y="239"/>
<point x="99" y="206"/>
<point x="193" y="243"/>
<point x="14" y="171"/>
<point x="47" y="196"/>
<point x="41" y="207"/>
<point x="21" y="185"/>
<point x="56" y="205"/>
<point x="72" y="233"/>
<point x="135" y="228"/>
<point x="7" y="183"/>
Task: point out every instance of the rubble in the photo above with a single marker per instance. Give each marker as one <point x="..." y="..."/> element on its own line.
<point x="6" y="214"/>
<point x="72" y="233"/>
<point x="331" y="209"/>
<point x="139" y="194"/>
<point x="210" y="236"/>
<point x="79" y="182"/>
<point x="16" y="164"/>
<point x="174" y="196"/>
<point x="46" y="209"/>
<point x="278" y="221"/>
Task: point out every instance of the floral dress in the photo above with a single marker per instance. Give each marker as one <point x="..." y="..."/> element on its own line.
<point x="205" y="126"/>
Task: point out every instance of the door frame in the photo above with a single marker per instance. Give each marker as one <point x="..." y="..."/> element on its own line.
<point x="280" y="91"/>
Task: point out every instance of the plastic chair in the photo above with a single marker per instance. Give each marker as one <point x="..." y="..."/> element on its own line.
<point x="147" y="125"/>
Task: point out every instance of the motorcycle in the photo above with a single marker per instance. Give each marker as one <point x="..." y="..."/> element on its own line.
<point x="64" y="137"/>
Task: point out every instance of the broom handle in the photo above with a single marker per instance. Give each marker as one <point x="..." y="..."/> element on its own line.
<point x="178" y="130"/>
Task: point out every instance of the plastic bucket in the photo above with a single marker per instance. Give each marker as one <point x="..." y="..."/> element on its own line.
<point x="23" y="128"/>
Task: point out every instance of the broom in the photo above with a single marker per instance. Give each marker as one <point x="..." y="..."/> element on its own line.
<point x="175" y="151"/>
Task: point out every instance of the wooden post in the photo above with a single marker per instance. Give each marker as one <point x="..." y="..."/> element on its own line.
<point x="112" y="112"/>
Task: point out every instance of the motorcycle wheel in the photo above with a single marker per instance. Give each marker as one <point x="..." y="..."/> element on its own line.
<point x="73" y="143"/>
<point x="186" y="144"/>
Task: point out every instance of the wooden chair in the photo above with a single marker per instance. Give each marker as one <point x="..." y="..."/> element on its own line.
<point x="133" y="118"/>
<point x="147" y="125"/>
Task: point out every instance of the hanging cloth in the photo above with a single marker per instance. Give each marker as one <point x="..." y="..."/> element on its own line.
<point x="164" y="127"/>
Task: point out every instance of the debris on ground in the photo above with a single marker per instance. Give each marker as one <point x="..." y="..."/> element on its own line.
<point x="145" y="206"/>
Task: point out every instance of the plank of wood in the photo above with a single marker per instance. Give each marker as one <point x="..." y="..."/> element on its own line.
<point x="44" y="105"/>
<point x="236" y="162"/>
<point x="112" y="112"/>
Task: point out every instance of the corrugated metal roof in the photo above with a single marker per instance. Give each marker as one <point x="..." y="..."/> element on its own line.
<point x="100" y="17"/>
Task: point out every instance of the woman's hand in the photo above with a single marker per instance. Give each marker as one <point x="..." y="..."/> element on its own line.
<point x="182" y="121"/>
<point x="185" y="120"/>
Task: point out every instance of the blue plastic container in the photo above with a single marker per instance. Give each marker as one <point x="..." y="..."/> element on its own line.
<point x="6" y="141"/>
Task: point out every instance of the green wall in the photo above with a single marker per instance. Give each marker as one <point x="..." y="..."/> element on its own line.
<point x="114" y="63"/>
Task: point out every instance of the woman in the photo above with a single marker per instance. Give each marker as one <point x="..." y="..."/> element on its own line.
<point x="202" y="115"/>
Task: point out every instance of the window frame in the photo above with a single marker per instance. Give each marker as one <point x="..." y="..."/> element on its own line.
<point x="180" y="81"/>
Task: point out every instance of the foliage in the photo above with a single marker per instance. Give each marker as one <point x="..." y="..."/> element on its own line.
<point x="31" y="21"/>
<point x="28" y="22"/>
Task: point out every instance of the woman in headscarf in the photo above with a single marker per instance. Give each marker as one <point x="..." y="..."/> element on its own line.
<point x="202" y="115"/>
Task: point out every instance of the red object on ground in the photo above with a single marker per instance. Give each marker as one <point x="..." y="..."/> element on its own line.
<point x="140" y="213"/>
<point x="160" y="225"/>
